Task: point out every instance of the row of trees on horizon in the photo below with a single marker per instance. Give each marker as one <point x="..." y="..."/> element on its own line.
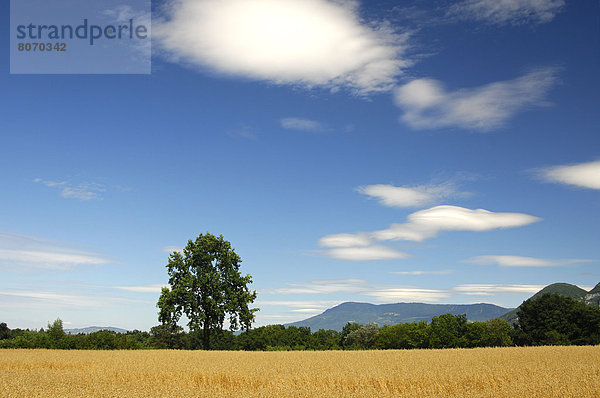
<point x="548" y="320"/>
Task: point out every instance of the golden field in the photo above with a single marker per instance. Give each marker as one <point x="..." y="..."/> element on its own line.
<point x="482" y="372"/>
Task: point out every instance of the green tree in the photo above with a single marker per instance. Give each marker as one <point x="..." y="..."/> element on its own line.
<point x="553" y="319"/>
<point x="363" y="337"/>
<point x="206" y="286"/>
<point x="55" y="334"/>
<point x="448" y="330"/>
<point x="4" y="331"/>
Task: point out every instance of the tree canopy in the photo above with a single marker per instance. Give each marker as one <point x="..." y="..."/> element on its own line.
<point x="207" y="287"/>
<point x="553" y="319"/>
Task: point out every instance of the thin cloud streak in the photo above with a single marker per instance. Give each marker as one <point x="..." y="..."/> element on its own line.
<point x="502" y="12"/>
<point x="368" y="253"/>
<point x="19" y="252"/>
<point x="83" y="191"/>
<point x="519" y="261"/>
<point x="300" y="124"/>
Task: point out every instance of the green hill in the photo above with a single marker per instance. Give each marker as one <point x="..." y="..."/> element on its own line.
<point x="564" y="289"/>
<point x="593" y="297"/>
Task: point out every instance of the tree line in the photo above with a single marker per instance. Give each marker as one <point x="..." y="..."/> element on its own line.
<point x="548" y="320"/>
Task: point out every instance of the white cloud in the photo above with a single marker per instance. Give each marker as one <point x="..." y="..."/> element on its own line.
<point x="416" y="273"/>
<point x="83" y="191"/>
<point x="323" y="287"/>
<point x="518" y="261"/>
<point x="514" y="12"/>
<point x="491" y="289"/>
<point x="309" y="42"/>
<point x="393" y="196"/>
<point x="67" y="300"/>
<point x="426" y="104"/>
<point x="345" y="240"/>
<point x="171" y="249"/>
<point x="412" y="294"/>
<point x="154" y="288"/>
<point x="315" y="304"/>
<point x="312" y="126"/>
<point x="368" y="253"/>
<point x="428" y="223"/>
<point x="307" y="311"/>
<point x="20" y="252"/>
<point x="586" y="175"/>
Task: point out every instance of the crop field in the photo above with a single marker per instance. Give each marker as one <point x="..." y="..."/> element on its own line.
<point x="483" y="372"/>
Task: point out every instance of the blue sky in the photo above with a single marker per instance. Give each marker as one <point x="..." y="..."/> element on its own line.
<point x="388" y="151"/>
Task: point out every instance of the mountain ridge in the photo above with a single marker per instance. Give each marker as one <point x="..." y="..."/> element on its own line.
<point x="93" y="329"/>
<point x="335" y="318"/>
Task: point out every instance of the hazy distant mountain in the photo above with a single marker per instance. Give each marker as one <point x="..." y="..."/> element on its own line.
<point x="390" y="314"/>
<point x="93" y="329"/>
<point x="565" y="289"/>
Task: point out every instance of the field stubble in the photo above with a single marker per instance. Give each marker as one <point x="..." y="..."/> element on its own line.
<point x="483" y="372"/>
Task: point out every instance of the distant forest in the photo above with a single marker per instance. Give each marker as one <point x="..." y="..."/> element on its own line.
<point x="550" y="319"/>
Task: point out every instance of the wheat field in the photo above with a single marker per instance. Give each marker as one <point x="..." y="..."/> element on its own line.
<point x="483" y="372"/>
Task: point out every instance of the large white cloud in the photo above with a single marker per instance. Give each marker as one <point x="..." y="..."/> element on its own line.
<point x="509" y="11"/>
<point x="390" y="195"/>
<point x="426" y="104"/>
<point x="428" y="223"/>
<point x="586" y="175"/>
<point x="308" y="42"/>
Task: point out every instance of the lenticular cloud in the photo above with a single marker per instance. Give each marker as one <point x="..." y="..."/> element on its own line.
<point x="308" y="42"/>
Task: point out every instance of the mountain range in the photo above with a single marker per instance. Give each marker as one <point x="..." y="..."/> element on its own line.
<point x="389" y="314"/>
<point x="93" y="329"/>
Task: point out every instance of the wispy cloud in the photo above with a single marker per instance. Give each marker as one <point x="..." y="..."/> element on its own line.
<point x="519" y="261"/>
<point x="427" y="105"/>
<point x="307" y="43"/>
<point x="491" y="289"/>
<point x="323" y="287"/>
<point x="411" y="294"/>
<point x="503" y="12"/>
<point x="364" y="288"/>
<point x="243" y="131"/>
<point x="368" y="253"/>
<point x="66" y="300"/>
<point x="19" y="252"/>
<point x="171" y="249"/>
<point x="346" y="240"/>
<point x="153" y="288"/>
<point x="425" y="224"/>
<point x="585" y="175"/>
<point x="417" y="273"/>
<point x="406" y="196"/>
<point x="81" y="191"/>
<point x="301" y="124"/>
